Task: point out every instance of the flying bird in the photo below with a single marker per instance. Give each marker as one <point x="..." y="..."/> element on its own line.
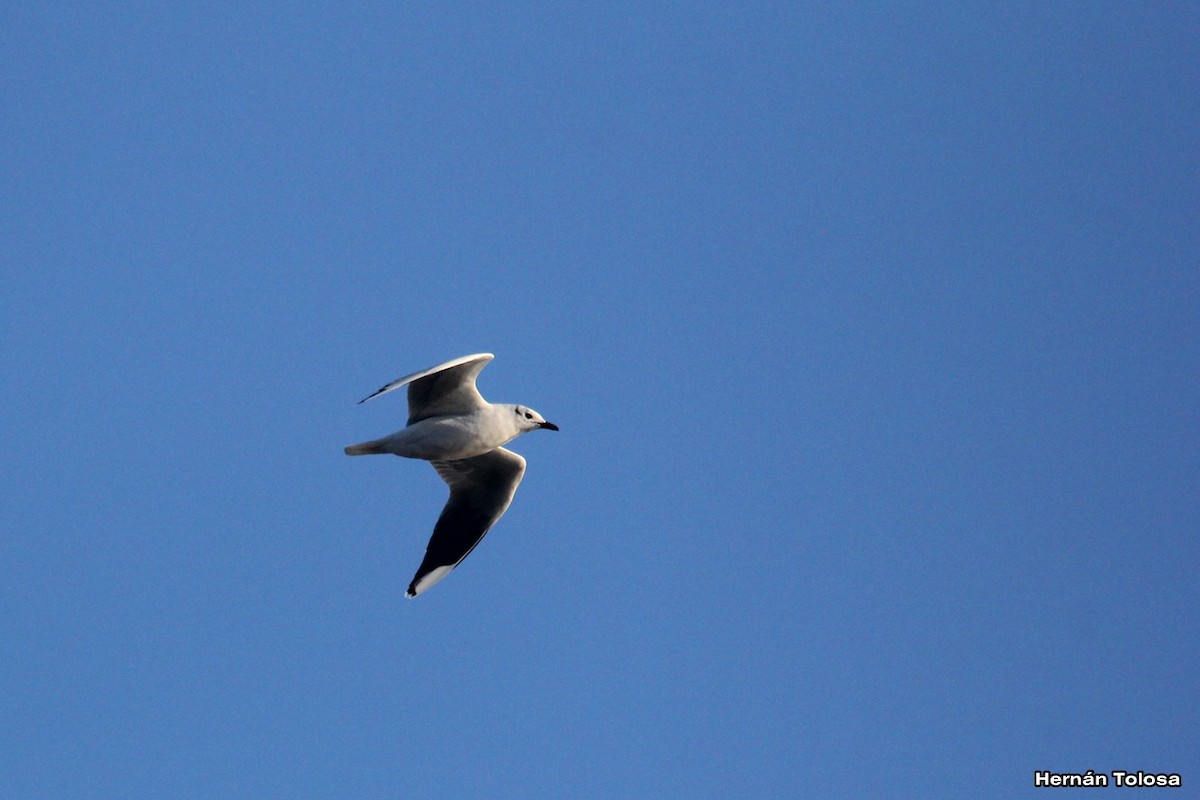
<point x="452" y="427"/>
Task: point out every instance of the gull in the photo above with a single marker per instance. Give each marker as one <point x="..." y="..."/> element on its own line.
<point x="452" y="427"/>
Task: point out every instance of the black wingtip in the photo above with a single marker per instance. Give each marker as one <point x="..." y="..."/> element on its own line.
<point x="375" y="393"/>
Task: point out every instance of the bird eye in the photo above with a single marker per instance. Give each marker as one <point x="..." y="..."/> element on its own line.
<point x="528" y="415"/>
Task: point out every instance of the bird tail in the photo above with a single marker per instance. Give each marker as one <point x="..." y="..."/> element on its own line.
<point x="371" y="448"/>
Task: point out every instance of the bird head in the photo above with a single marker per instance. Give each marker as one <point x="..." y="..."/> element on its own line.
<point x="528" y="419"/>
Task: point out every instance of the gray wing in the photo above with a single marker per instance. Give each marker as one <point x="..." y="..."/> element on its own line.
<point x="448" y="388"/>
<point x="481" y="489"/>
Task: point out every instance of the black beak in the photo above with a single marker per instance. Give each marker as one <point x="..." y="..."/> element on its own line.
<point x="550" y="426"/>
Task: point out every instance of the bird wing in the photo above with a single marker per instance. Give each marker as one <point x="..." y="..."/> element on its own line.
<point x="445" y="389"/>
<point x="481" y="489"/>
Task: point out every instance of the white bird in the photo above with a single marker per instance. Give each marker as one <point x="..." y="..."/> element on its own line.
<point x="451" y="426"/>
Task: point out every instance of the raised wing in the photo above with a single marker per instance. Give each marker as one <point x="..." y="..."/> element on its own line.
<point x="448" y="388"/>
<point x="481" y="489"/>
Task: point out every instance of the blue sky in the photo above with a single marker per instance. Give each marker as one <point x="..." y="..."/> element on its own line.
<point x="871" y="331"/>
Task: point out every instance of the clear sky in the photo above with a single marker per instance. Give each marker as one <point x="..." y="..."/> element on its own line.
<point x="873" y="332"/>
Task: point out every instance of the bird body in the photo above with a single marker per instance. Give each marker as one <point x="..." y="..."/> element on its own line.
<point x="461" y="435"/>
<point x="449" y="437"/>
